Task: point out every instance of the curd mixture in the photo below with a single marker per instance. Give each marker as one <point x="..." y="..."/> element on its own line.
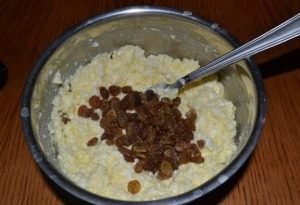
<point x="99" y="166"/>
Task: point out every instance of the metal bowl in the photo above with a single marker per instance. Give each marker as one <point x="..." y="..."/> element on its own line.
<point x="179" y="34"/>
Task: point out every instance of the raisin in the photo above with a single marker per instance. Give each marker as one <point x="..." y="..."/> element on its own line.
<point x="105" y="136"/>
<point x="128" y="158"/>
<point x="165" y="170"/>
<point x="136" y="99"/>
<point x="183" y="158"/>
<point x="197" y="159"/>
<point x="95" y="102"/>
<point x="95" y="116"/>
<point x="122" y="140"/>
<point x="192" y="115"/>
<point x="109" y="142"/>
<point x="134" y="186"/>
<point x="104" y="92"/>
<point x="142" y="117"/>
<point x="117" y="132"/>
<point x="179" y="147"/>
<point x="111" y="115"/>
<point x="131" y="128"/>
<point x="180" y="127"/>
<point x="176" y="101"/>
<point x="84" y="111"/>
<point x="114" y="90"/>
<point x="132" y="117"/>
<point x="170" y="153"/>
<point x="92" y="141"/>
<point x="150" y="95"/>
<point x="127" y="153"/>
<point x="126" y="89"/>
<point x="201" y="143"/>
<point x="125" y="102"/>
<point x="139" y="166"/>
<point x="188" y="136"/>
<point x="151" y="134"/>
<point x="104" y="123"/>
<point x="125" y="150"/>
<point x="177" y="114"/>
<point x="65" y="119"/>
<point x="122" y="119"/>
<point x="143" y="97"/>
<point x="113" y="100"/>
<point x="104" y="105"/>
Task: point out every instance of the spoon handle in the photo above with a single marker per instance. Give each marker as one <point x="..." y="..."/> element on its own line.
<point x="278" y="35"/>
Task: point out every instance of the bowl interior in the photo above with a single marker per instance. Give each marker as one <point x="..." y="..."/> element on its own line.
<point x="167" y="33"/>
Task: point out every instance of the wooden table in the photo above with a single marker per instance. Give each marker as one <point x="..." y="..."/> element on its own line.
<point x="272" y="174"/>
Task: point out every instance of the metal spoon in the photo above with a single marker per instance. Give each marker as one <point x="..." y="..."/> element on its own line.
<point x="278" y="35"/>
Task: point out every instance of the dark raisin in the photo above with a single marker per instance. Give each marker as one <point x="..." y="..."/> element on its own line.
<point x="105" y="136"/>
<point x="95" y="102"/>
<point x="176" y="101"/>
<point x="104" y="92"/>
<point x="95" y="116"/>
<point x="111" y="115"/>
<point x="125" y="102"/>
<point x="177" y="114"/>
<point x="142" y="117"/>
<point x="150" y="95"/>
<point x="126" y="89"/>
<point x="201" y="143"/>
<point x="132" y="117"/>
<point x="114" y="90"/>
<point x="188" y="136"/>
<point x="137" y="99"/>
<point x="65" y="119"/>
<point x="122" y="119"/>
<point x="104" y="105"/>
<point x="114" y="103"/>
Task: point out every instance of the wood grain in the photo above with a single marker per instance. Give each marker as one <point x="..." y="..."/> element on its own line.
<point x="271" y="175"/>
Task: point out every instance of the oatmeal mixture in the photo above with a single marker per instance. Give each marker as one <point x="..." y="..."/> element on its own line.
<point x="95" y="158"/>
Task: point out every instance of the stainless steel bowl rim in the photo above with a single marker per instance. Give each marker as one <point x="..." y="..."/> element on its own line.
<point x="189" y="196"/>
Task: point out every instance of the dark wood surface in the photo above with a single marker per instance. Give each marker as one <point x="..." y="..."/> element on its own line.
<point x="272" y="174"/>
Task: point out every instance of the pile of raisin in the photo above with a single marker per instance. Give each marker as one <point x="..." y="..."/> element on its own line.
<point x="146" y="128"/>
